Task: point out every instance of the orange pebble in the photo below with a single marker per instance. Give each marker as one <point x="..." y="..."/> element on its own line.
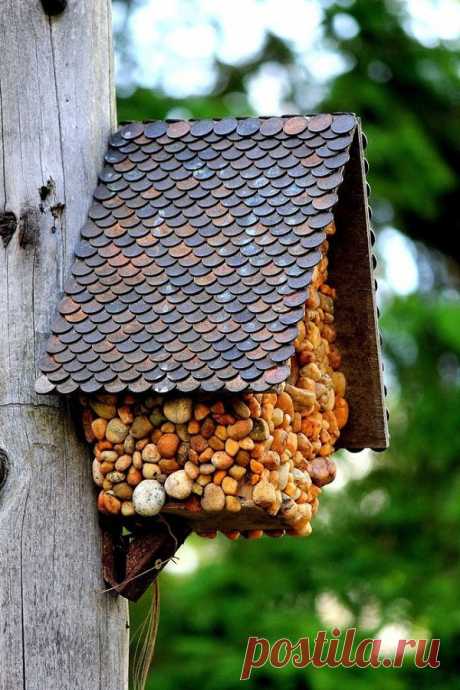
<point x="200" y="412"/>
<point x="254" y="533"/>
<point x="100" y="503"/>
<point x="193" y="427"/>
<point x="104" y="445"/>
<point x="99" y="426"/>
<point x="256" y="467"/>
<point x="167" y="445"/>
<point x="126" y="414"/>
<point x="134" y="476"/>
<point x="111" y="504"/>
<point x="232" y="534"/>
<point x="218" y="408"/>
<point x="218" y="476"/>
<point x="285" y="403"/>
<point x="341" y="412"/>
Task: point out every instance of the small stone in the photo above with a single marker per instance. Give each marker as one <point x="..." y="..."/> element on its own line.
<point x="104" y="410"/>
<point x="280" y="437"/>
<point x="168" y="428"/>
<point x="115" y="477"/>
<point x="261" y="430"/>
<point x="218" y="476"/>
<point x="240" y="429"/>
<point x="277" y="416"/>
<point x="123" y="462"/>
<point x="178" y="485"/>
<point x="123" y="491"/>
<point x="98" y="477"/>
<point x="129" y="445"/>
<point x="231" y="447"/>
<point x="99" y="426"/>
<point x="264" y="494"/>
<point x="285" y="403"/>
<point x="206" y="455"/>
<point x="111" y="504"/>
<point x="116" y="431"/>
<point x="208" y="428"/>
<point x="198" y="443"/>
<point x="322" y="471"/>
<point x="141" y="427"/>
<point x="178" y="410"/>
<point x="168" y="466"/>
<point x="204" y="479"/>
<point x="108" y="456"/>
<point x="232" y="504"/>
<point x="302" y="399"/>
<point x="157" y="417"/>
<point x="340" y="383"/>
<point x="126" y="414"/>
<point x="216" y="443"/>
<point x="151" y="471"/>
<point x="150" y="453"/>
<point x="237" y="472"/>
<point x="213" y="499"/>
<point x="341" y="412"/>
<point x="241" y="409"/>
<point x="301" y="478"/>
<point x="229" y="486"/>
<point x="201" y="411"/>
<point x="207" y="468"/>
<point x="191" y="469"/>
<point x="167" y="445"/>
<point x="181" y="431"/>
<point x="106" y="467"/>
<point x="134" y="476"/>
<point x="221" y="432"/>
<point x="283" y="475"/>
<point x="312" y="371"/>
<point x="137" y="460"/>
<point x="148" y="497"/>
<point x="246" y="444"/>
<point x="183" y="453"/>
<point x="243" y="458"/>
<point x="127" y="509"/>
<point x="193" y="427"/>
<point x="221" y="460"/>
<point x="197" y="489"/>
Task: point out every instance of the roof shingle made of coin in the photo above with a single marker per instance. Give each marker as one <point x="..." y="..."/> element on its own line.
<point x="192" y="270"/>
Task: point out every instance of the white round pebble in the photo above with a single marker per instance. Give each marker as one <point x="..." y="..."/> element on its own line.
<point x="148" y="497"/>
<point x="179" y="485"/>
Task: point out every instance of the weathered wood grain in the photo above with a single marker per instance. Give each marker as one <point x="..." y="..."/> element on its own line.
<point x="56" y="110"/>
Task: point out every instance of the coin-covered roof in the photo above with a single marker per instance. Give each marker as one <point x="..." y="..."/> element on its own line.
<point x="192" y="270"/>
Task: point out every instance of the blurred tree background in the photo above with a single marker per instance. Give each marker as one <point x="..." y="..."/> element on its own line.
<point x="384" y="554"/>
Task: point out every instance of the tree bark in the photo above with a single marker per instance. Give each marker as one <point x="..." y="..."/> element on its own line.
<point x="57" y="631"/>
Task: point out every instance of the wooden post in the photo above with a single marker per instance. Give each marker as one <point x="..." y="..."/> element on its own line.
<point x="56" y="110"/>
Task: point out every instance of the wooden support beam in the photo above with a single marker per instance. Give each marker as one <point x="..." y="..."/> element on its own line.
<point x="56" y="111"/>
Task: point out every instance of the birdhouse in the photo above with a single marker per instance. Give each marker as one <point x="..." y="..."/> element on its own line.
<point x="219" y="329"/>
